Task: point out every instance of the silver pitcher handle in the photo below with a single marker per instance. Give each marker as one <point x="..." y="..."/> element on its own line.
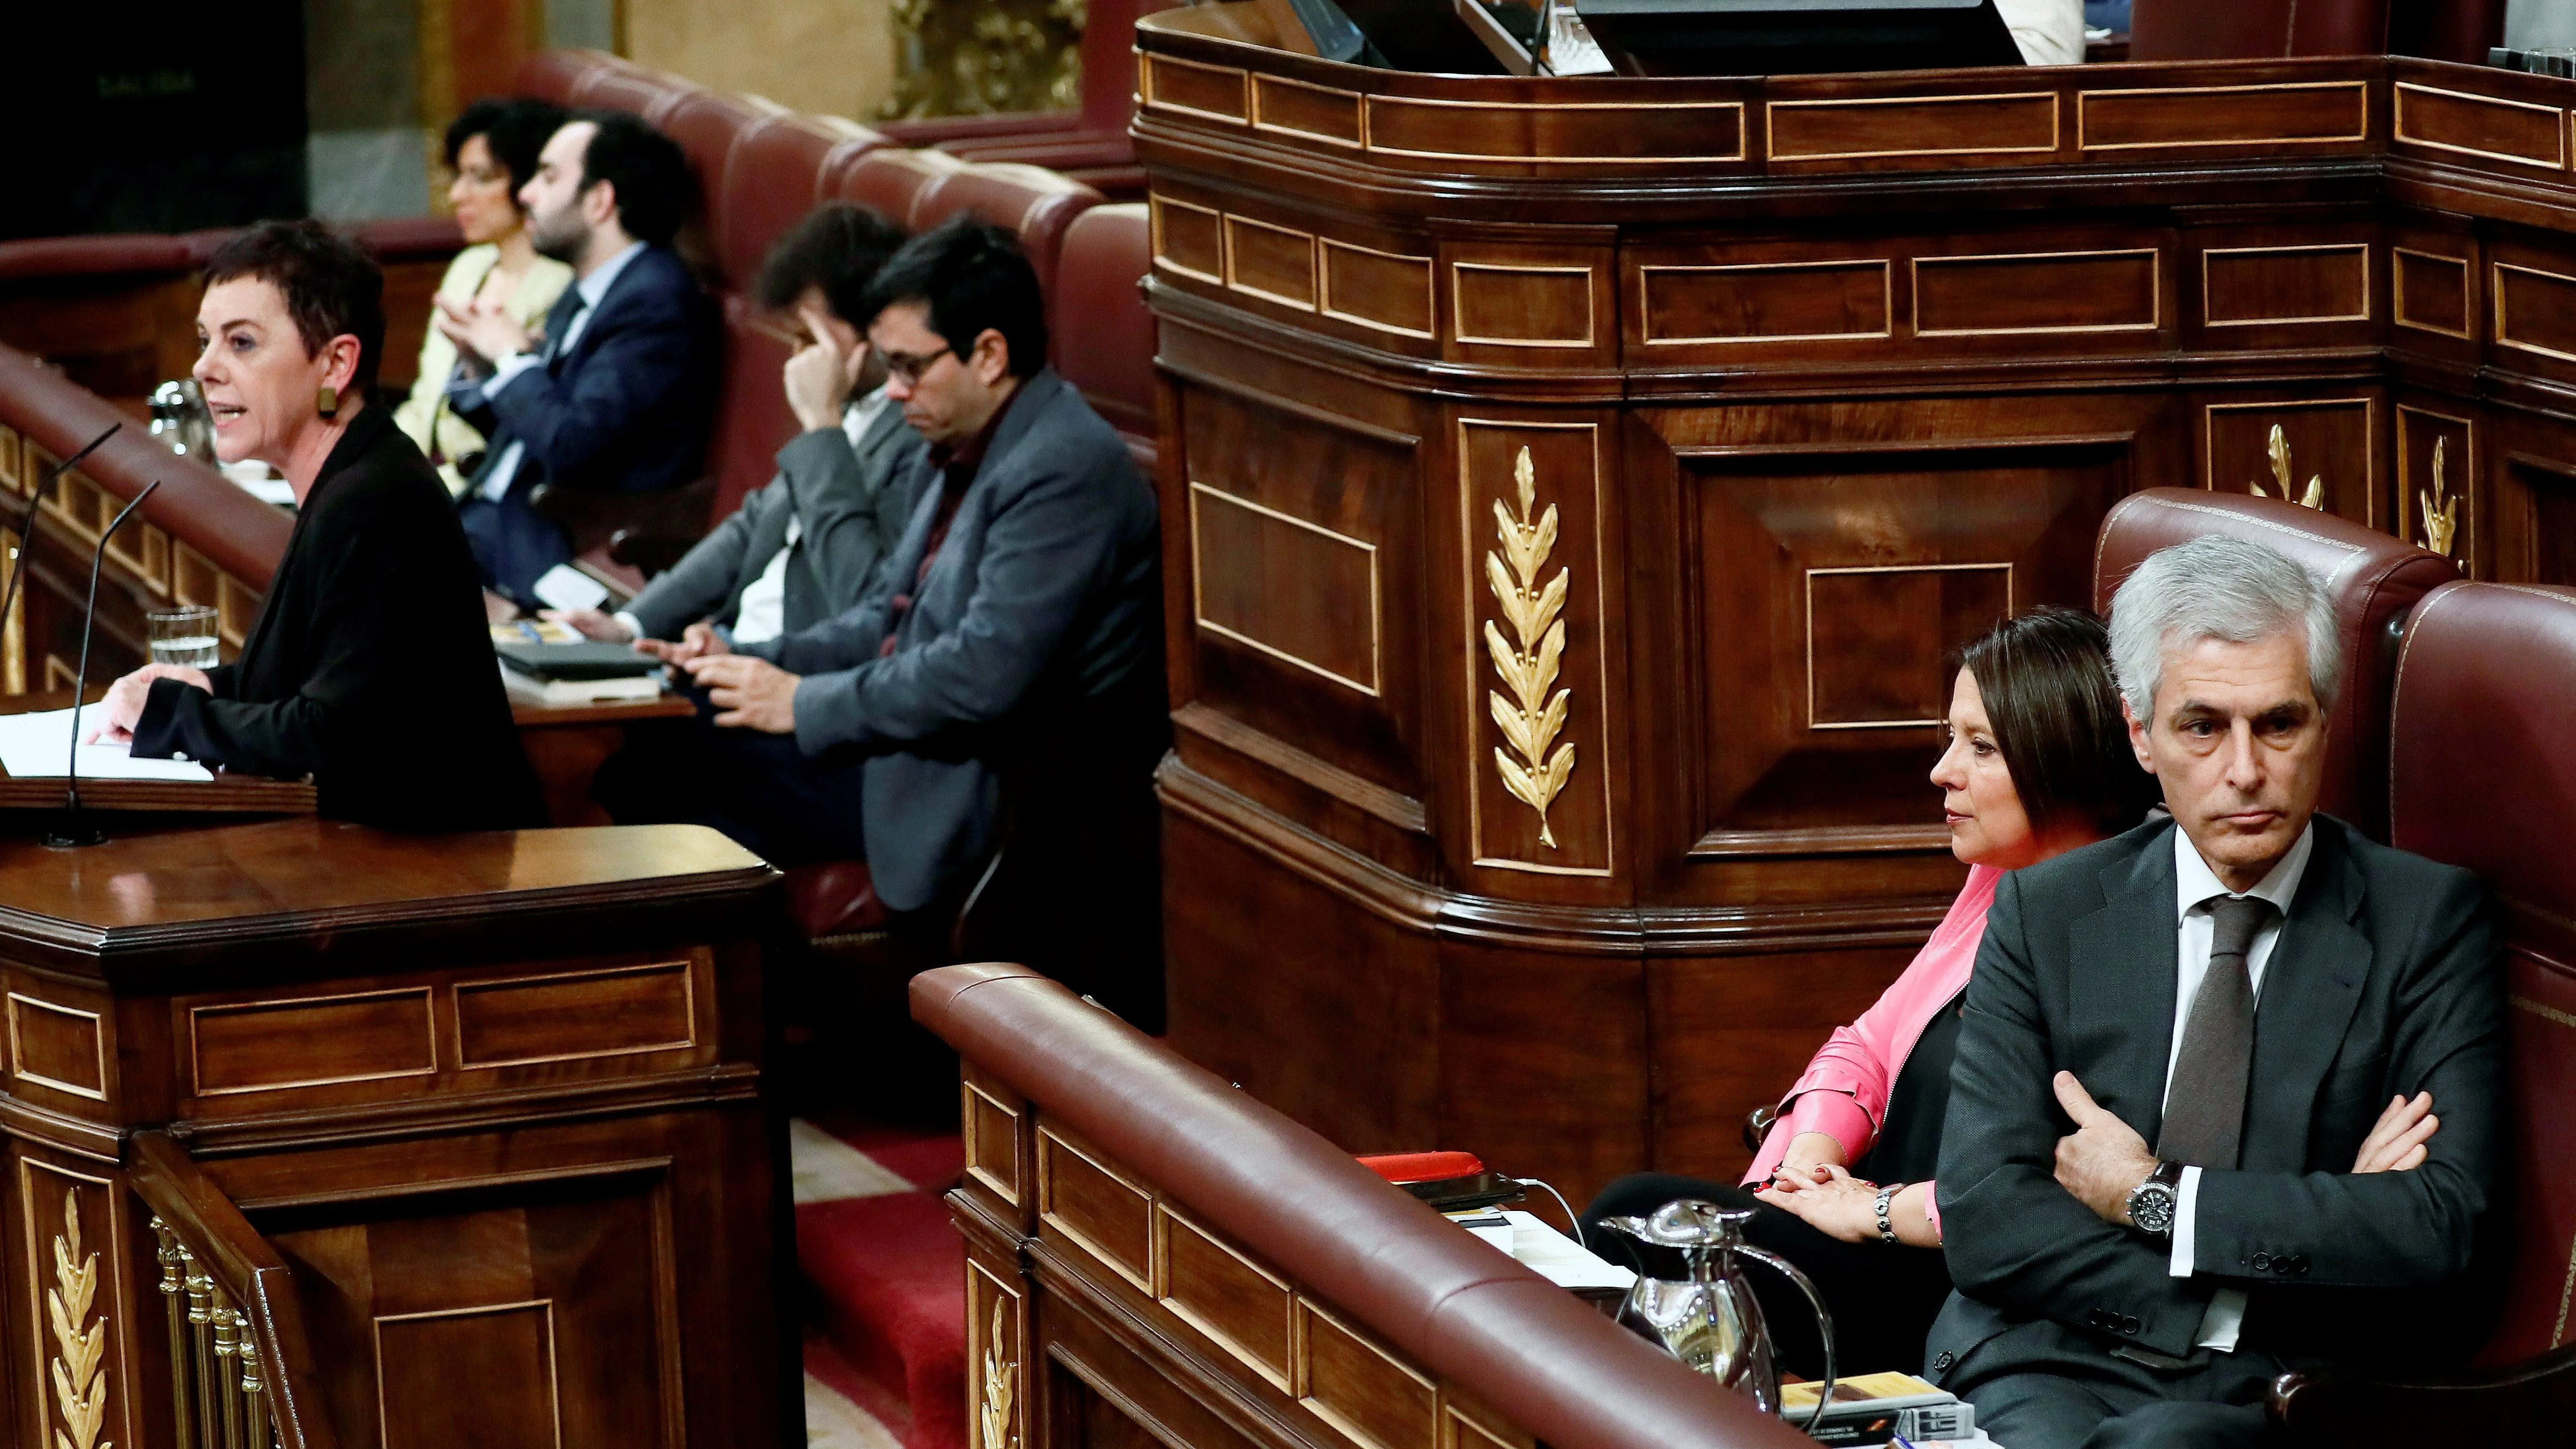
<point x="1824" y="1322"/>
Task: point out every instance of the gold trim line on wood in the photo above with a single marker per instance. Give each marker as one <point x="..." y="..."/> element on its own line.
<point x="1886" y="295"/>
<point x="1008" y="1193"/>
<point x="1166" y="1218"/>
<point x="554" y="1384"/>
<point x="1368" y="130"/>
<point x="1591" y="317"/>
<point x="1154" y="226"/>
<point x="458" y="990"/>
<point x="2557" y="129"/>
<point x="1930" y="568"/>
<point x="2496" y="271"/>
<point x="429" y="1019"/>
<point x="2397" y="292"/>
<point x="2360" y="94"/>
<point x="2155" y="283"/>
<point x="18" y="1055"/>
<point x="1324" y="288"/>
<point x="78" y="1372"/>
<point x="1471" y="657"/>
<point x="1148" y="72"/>
<point x="1771" y="128"/>
<point x="1359" y="112"/>
<point x="2361" y="316"/>
<point x="1047" y="1138"/>
<point x="1198" y="598"/>
<point x="2369" y="440"/>
<point x="1226" y="223"/>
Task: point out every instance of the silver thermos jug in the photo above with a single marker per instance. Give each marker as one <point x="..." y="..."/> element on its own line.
<point x="1711" y="1320"/>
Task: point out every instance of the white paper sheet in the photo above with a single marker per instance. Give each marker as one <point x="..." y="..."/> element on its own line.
<point x="35" y="746"/>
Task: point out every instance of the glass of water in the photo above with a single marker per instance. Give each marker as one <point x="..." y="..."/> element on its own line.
<point x="183" y="636"/>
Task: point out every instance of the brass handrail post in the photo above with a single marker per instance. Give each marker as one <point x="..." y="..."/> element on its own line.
<point x="254" y="1392"/>
<point x="201" y="1288"/>
<point x="171" y="1287"/>
<point x="225" y="1348"/>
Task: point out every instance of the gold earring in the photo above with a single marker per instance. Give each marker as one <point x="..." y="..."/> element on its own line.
<point x="329" y="401"/>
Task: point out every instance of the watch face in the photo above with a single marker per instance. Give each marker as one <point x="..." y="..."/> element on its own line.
<point x="2151" y="1208"/>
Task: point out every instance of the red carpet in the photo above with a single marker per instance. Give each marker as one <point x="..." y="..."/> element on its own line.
<point x="885" y="1275"/>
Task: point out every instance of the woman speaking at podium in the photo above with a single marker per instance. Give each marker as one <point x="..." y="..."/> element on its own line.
<point x="370" y="665"/>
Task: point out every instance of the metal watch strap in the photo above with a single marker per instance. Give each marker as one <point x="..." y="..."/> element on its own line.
<point x="1887" y="1196"/>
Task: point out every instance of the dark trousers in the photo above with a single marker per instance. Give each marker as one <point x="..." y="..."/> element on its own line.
<point x="2108" y="1402"/>
<point x="776" y="801"/>
<point x="513" y="545"/>
<point x="1883" y="1298"/>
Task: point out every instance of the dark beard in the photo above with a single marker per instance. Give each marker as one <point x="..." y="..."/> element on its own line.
<point x="559" y="237"/>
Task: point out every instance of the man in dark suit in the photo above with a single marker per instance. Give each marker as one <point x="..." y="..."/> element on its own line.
<point x="805" y="547"/>
<point x="2245" y="987"/>
<point x="1024" y="595"/>
<point x="616" y="397"/>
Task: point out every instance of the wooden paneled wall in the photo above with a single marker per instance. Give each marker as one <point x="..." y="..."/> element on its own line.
<point x="1573" y="489"/>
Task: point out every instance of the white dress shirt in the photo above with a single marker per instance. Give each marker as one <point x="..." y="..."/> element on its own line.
<point x="504" y="372"/>
<point x="2195" y="886"/>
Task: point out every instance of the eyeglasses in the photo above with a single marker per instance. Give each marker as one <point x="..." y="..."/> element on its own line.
<point x="907" y="369"/>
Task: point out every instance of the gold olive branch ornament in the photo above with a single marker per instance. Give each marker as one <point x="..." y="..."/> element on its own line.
<point x="2280" y="451"/>
<point x="80" y="1384"/>
<point x="2441" y="509"/>
<point x="1530" y="718"/>
<point x="994" y="1415"/>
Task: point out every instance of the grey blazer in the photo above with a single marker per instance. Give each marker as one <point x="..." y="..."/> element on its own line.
<point x="1046" y="595"/>
<point x="2386" y="980"/>
<point x="854" y="508"/>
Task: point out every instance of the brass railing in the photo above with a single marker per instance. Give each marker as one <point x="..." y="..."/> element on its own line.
<point x="241" y="1376"/>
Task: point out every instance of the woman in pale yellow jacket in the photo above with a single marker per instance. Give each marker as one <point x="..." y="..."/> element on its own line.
<point x="493" y="149"/>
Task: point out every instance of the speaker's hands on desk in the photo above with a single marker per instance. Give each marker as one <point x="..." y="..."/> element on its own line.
<point x="122" y="709"/>
<point x="752" y="693"/>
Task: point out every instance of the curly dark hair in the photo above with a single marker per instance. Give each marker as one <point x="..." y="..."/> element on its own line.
<point x="837" y="249"/>
<point x="973" y="277"/>
<point x="332" y="288"/>
<point x="2045" y="676"/>
<point x="515" y="128"/>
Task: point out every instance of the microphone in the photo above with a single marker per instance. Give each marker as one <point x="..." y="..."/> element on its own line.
<point x="73" y="832"/>
<point x="27" y="518"/>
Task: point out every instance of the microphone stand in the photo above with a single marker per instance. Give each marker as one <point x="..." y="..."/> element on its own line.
<point x="74" y="832"/>
<point x="27" y="518"/>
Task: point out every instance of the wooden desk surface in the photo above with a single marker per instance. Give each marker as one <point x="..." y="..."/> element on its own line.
<point x="308" y="867"/>
<point x="530" y="715"/>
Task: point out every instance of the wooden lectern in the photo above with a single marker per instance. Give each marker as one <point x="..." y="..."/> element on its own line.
<point x="324" y="1136"/>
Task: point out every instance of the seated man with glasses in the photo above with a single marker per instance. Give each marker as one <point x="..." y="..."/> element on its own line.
<point x="1023" y="595"/>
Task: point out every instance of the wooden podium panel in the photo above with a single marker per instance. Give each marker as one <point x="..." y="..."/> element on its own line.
<point x="490" y="1105"/>
<point x="1575" y="485"/>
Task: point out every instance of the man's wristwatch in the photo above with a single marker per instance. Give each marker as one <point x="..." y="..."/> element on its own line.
<point x="2153" y="1202"/>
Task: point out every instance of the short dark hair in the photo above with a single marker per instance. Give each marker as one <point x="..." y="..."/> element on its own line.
<point x="331" y="287"/>
<point x="837" y="249"/>
<point x="973" y="277"/>
<point x="648" y="169"/>
<point x="2046" y="679"/>
<point x="516" y="128"/>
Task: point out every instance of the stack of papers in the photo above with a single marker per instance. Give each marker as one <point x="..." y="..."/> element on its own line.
<point x="35" y="746"/>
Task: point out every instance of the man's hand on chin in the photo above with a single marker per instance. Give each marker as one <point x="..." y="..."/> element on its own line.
<point x="752" y="693"/>
<point x="2103" y="1159"/>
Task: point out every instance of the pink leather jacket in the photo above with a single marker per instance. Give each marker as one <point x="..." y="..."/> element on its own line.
<point x="1844" y="1092"/>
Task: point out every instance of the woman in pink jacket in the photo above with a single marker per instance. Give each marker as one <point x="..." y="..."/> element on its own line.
<point x="2038" y="763"/>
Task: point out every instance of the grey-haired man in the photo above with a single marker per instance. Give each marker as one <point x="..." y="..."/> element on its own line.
<point x="2177" y="1045"/>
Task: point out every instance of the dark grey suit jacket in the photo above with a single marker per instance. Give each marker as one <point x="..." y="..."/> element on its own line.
<point x="1046" y="597"/>
<point x="2386" y="980"/>
<point x="854" y="506"/>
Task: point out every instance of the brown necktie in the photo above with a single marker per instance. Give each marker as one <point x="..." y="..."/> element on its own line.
<point x="2205" y="1102"/>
